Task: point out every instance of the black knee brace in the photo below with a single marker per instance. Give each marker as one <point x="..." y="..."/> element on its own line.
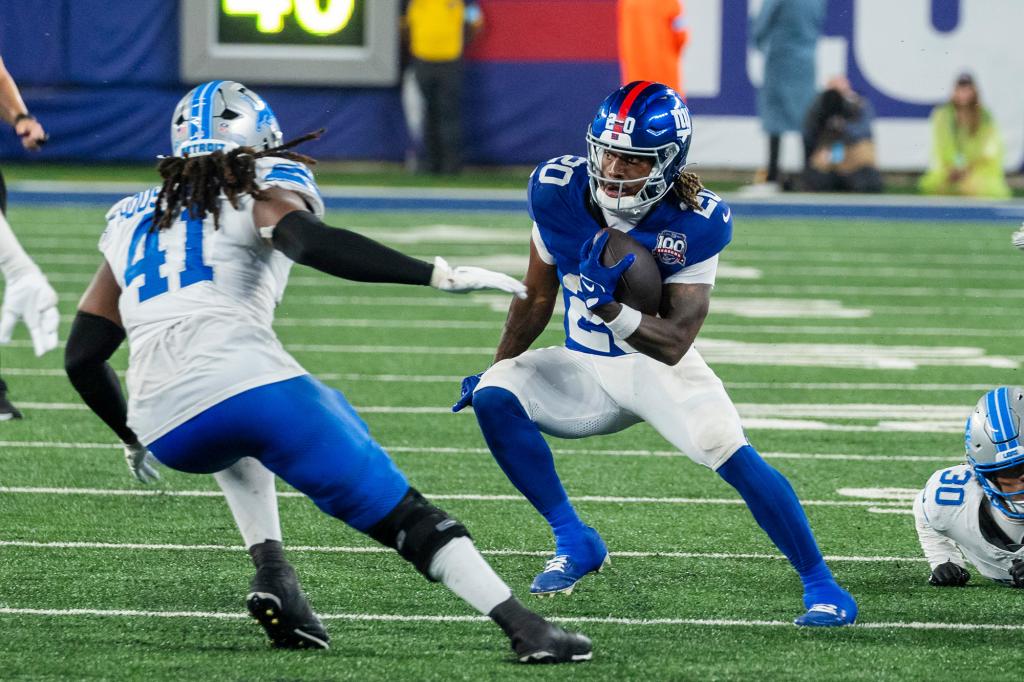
<point x="417" y="529"/>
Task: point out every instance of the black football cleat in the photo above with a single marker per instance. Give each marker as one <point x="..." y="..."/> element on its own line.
<point x="7" y="410"/>
<point x="546" y="643"/>
<point x="277" y="602"/>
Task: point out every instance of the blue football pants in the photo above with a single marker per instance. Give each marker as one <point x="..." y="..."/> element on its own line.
<point x="304" y="432"/>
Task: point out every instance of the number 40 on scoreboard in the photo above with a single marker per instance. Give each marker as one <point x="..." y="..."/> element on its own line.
<point x="293" y="42"/>
<point x="313" y="16"/>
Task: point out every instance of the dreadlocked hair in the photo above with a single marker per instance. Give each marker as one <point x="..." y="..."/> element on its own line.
<point x="686" y="185"/>
<point x="195" y="183"/>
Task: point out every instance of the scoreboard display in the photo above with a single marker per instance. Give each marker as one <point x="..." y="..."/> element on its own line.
<point x="290" y="42"/>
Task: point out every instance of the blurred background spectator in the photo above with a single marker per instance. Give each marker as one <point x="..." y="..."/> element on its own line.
<point x="967" y="151"/>
<point x="436" y="32"/>
<point x="839" y="153"/>
<point x="786" y="32"/>
<point x="652" y="37"/>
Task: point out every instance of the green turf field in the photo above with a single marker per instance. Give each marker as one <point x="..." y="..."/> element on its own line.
<point x="854" y="351"/>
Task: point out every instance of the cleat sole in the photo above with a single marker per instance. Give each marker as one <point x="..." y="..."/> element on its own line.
<point x="265" y="608"/>
<point x="542" y="657"/>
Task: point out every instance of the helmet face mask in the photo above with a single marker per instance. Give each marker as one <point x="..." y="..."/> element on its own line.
<point x="221" y="116"/>
<point x="628" y="197"/>
<point x="644" y="120"/>
<point x="993" y="442"/>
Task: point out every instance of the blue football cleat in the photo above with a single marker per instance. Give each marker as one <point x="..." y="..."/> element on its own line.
<point x="839" y="609"/>
<point x="562" y="571"/>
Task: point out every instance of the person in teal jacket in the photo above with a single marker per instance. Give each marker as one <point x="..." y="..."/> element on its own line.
<point x="967" y="150"/>
<point x="786" y="32"/>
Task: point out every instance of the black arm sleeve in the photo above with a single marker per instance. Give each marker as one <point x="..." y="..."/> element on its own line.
<point x="93" y="339"/>
<point x="305" y="239"/>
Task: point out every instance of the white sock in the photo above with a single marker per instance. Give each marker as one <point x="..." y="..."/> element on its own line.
<point x="459" y="566"/>
<point x="249" y="489"/>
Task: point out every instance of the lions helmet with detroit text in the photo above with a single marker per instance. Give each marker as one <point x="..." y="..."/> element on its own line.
<point x="221" y="116"/>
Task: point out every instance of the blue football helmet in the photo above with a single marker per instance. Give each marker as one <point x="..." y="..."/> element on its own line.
<point x="993" y="441"/>
<point x="221" y="116"/>
<point x="643" y="119"/>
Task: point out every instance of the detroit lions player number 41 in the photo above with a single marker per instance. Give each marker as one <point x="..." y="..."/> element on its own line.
<point x="975" y="511"/>
<point x="192" y="273"/>
<point x="619" y="366"/>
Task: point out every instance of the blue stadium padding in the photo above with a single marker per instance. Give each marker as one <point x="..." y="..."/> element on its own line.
<point x="135" y="45"/>
<point x="33" y="41"/>
<point x="527" y="113"/>
<point x="133" y="123"/>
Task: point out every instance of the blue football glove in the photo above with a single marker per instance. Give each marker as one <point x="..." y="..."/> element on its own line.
<point x="597" y="281"/>
<point x="468" y="386"/>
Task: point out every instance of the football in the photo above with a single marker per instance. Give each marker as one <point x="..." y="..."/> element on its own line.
<point x="640" y="286"/>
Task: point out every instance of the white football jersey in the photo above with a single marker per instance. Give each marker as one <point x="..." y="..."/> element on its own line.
<point x="197" y="303"/>
<point x="954" y="520"/>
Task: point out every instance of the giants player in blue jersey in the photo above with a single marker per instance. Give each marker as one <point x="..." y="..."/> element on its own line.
<point x="192" y="273"/>
<point x="618" y="366"/>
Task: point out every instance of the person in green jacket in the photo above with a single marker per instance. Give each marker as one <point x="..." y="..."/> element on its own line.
<point x="967" y="151"/>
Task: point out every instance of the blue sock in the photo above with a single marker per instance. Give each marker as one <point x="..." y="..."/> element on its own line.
<point x="777" y="510"/>
<point x="524" y="456"/>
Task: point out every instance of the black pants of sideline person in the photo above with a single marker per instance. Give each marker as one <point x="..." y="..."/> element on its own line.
<point x="441" y="85"/>
<point x="866" y="179"/>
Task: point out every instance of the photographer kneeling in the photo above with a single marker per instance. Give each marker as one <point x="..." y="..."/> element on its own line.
<point x="839" y="155"/>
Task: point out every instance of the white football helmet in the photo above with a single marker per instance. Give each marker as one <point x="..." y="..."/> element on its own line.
<point x="993" y="441"/>
<point x="221" y="116"/>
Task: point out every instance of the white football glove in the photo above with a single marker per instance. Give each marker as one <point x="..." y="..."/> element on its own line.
<point x="1017" y="239"/>
<point x="32" y="299"/>
<point x="468" y="278"/>
<point x="142" y="463"/>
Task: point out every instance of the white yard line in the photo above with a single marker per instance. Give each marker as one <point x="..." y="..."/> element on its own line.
<point x="443" y="450"/>
<point x="610" y="452"/>
<point x="455" y="379"/>
<point x="876" y="291"/>
<point x="385" y="550"/>
<point x="730" y="352"/>
<point x="720" y="304"/>
<point x="756" y="416"/>
<point x="471" y="497"/>
<point x="596" y="620"/>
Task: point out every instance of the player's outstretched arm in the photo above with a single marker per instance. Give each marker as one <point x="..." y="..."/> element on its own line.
<point x="95" y="334"/>
<point x="296" y="232"/>
<point x="528" y="317"/>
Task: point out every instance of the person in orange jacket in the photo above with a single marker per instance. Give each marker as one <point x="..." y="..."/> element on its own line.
<point x="652" y="36"/>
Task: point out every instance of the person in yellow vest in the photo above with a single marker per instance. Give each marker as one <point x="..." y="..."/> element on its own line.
<point x="437" y="32"/>
<point x="967" y="151"/>
<point x="652" y="36"/>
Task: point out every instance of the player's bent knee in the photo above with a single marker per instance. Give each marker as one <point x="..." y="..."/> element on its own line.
<point x="418" y="530"/>
<point x="716" y="438"/>
<point x="496" y="399"/>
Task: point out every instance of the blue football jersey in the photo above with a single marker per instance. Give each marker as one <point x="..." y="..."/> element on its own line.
<point x="560" y="205"/>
